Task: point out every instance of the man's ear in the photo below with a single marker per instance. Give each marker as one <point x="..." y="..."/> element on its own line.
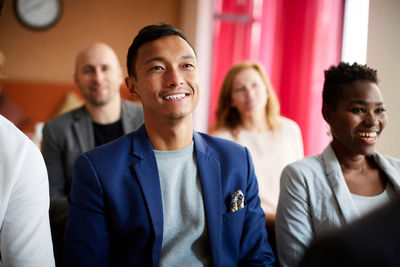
<point x="130" y="83"/>
<point x="327" y="113"/>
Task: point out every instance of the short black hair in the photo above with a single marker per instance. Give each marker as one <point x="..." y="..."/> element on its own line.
<point x="147" y="34"/>
<point x="342" y="74"/>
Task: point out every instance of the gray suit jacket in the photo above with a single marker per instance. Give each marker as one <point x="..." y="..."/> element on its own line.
<point x="64" y="139"/>
<point x="314" y="198"/>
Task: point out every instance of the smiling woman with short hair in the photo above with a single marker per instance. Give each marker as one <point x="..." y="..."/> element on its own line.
<point x="349" y="179"/>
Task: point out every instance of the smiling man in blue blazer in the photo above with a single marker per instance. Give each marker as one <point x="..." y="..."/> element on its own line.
<point x="165" y="195"/>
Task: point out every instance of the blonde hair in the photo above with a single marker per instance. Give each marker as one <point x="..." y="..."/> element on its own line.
<point x="227" y="116"/>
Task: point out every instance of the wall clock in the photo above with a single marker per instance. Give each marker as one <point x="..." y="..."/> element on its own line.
<point x="38" y="14"/>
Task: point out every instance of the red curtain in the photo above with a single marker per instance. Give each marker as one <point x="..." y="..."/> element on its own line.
<point x="295" y="40"/>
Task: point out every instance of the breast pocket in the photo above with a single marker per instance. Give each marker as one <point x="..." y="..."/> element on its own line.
<point x="237" y="216"/>
<point x="232" y="231"/>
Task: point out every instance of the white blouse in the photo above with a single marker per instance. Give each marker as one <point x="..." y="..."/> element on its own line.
<point x="366" y="204"/>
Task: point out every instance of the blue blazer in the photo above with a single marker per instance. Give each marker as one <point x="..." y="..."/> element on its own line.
<point x="116" y="216"/>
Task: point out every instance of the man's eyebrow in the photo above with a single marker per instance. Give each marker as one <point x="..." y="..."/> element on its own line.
<point x="188" y="57"/>
<point x="154" y="59"/>
<point x="162" y="59"/>
<point x="365" y="103"/>
<point x="87" y="66"/>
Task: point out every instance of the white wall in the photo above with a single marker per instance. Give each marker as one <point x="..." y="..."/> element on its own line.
<point x="383" y="54"/>
<point x="196" y="21"/>
<point x="355" y="31"/>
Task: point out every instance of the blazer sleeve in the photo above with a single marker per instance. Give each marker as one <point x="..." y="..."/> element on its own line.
<point x="293" y="220"/>
<point x="255" y="249"/>
<point x="54" y="159"/>
<point x="86" y="239"/>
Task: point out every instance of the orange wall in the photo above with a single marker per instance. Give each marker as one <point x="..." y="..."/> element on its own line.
<point x="48" y="56"/>
<point x="36" y="101"/>
<point x="40" y="64"/>
<point x="33" y="101"/>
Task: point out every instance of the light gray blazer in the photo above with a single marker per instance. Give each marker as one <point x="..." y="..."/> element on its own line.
<point x="64" y="139"/>
<point x="314" y="198"/>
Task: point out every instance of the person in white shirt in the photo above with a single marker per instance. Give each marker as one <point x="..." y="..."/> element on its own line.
<point x="25" y="238"/>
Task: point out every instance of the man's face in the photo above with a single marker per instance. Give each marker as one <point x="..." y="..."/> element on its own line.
<point x="166" y="79"/>
<point x="98" y="74"/>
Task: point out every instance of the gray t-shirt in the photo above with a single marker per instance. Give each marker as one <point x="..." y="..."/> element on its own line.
<point x="185" y="238"/>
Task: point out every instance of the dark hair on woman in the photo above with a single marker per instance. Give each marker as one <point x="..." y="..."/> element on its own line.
<point x="147" y="34"/>
<point x="344" y="73"/>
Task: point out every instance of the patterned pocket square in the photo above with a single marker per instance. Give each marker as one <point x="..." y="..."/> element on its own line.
<point x="237" y="201"/>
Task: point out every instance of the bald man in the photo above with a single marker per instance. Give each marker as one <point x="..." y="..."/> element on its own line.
<point x="103" y="118"/>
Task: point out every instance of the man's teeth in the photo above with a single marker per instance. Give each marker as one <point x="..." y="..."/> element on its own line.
<point x="177" y="96"/>
<point x="367" y="134"/>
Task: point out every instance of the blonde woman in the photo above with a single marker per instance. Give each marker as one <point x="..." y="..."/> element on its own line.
<point x="248" y="113"/>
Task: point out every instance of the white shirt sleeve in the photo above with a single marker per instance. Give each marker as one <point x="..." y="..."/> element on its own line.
<point x="25" y="238"/>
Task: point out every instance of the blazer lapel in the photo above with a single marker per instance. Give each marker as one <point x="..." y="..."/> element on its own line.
<point x="83" y="129"/>
<point x="146" y="171"/>
<point x="210" y="177"/>
<point x="338" y="184"/>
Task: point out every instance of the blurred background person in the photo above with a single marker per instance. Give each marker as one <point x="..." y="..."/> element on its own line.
<point x="103" y="118"/>
<point x="25" y="238"/>
<point x="349" y="179"/>
<point x="248" y="113"/>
